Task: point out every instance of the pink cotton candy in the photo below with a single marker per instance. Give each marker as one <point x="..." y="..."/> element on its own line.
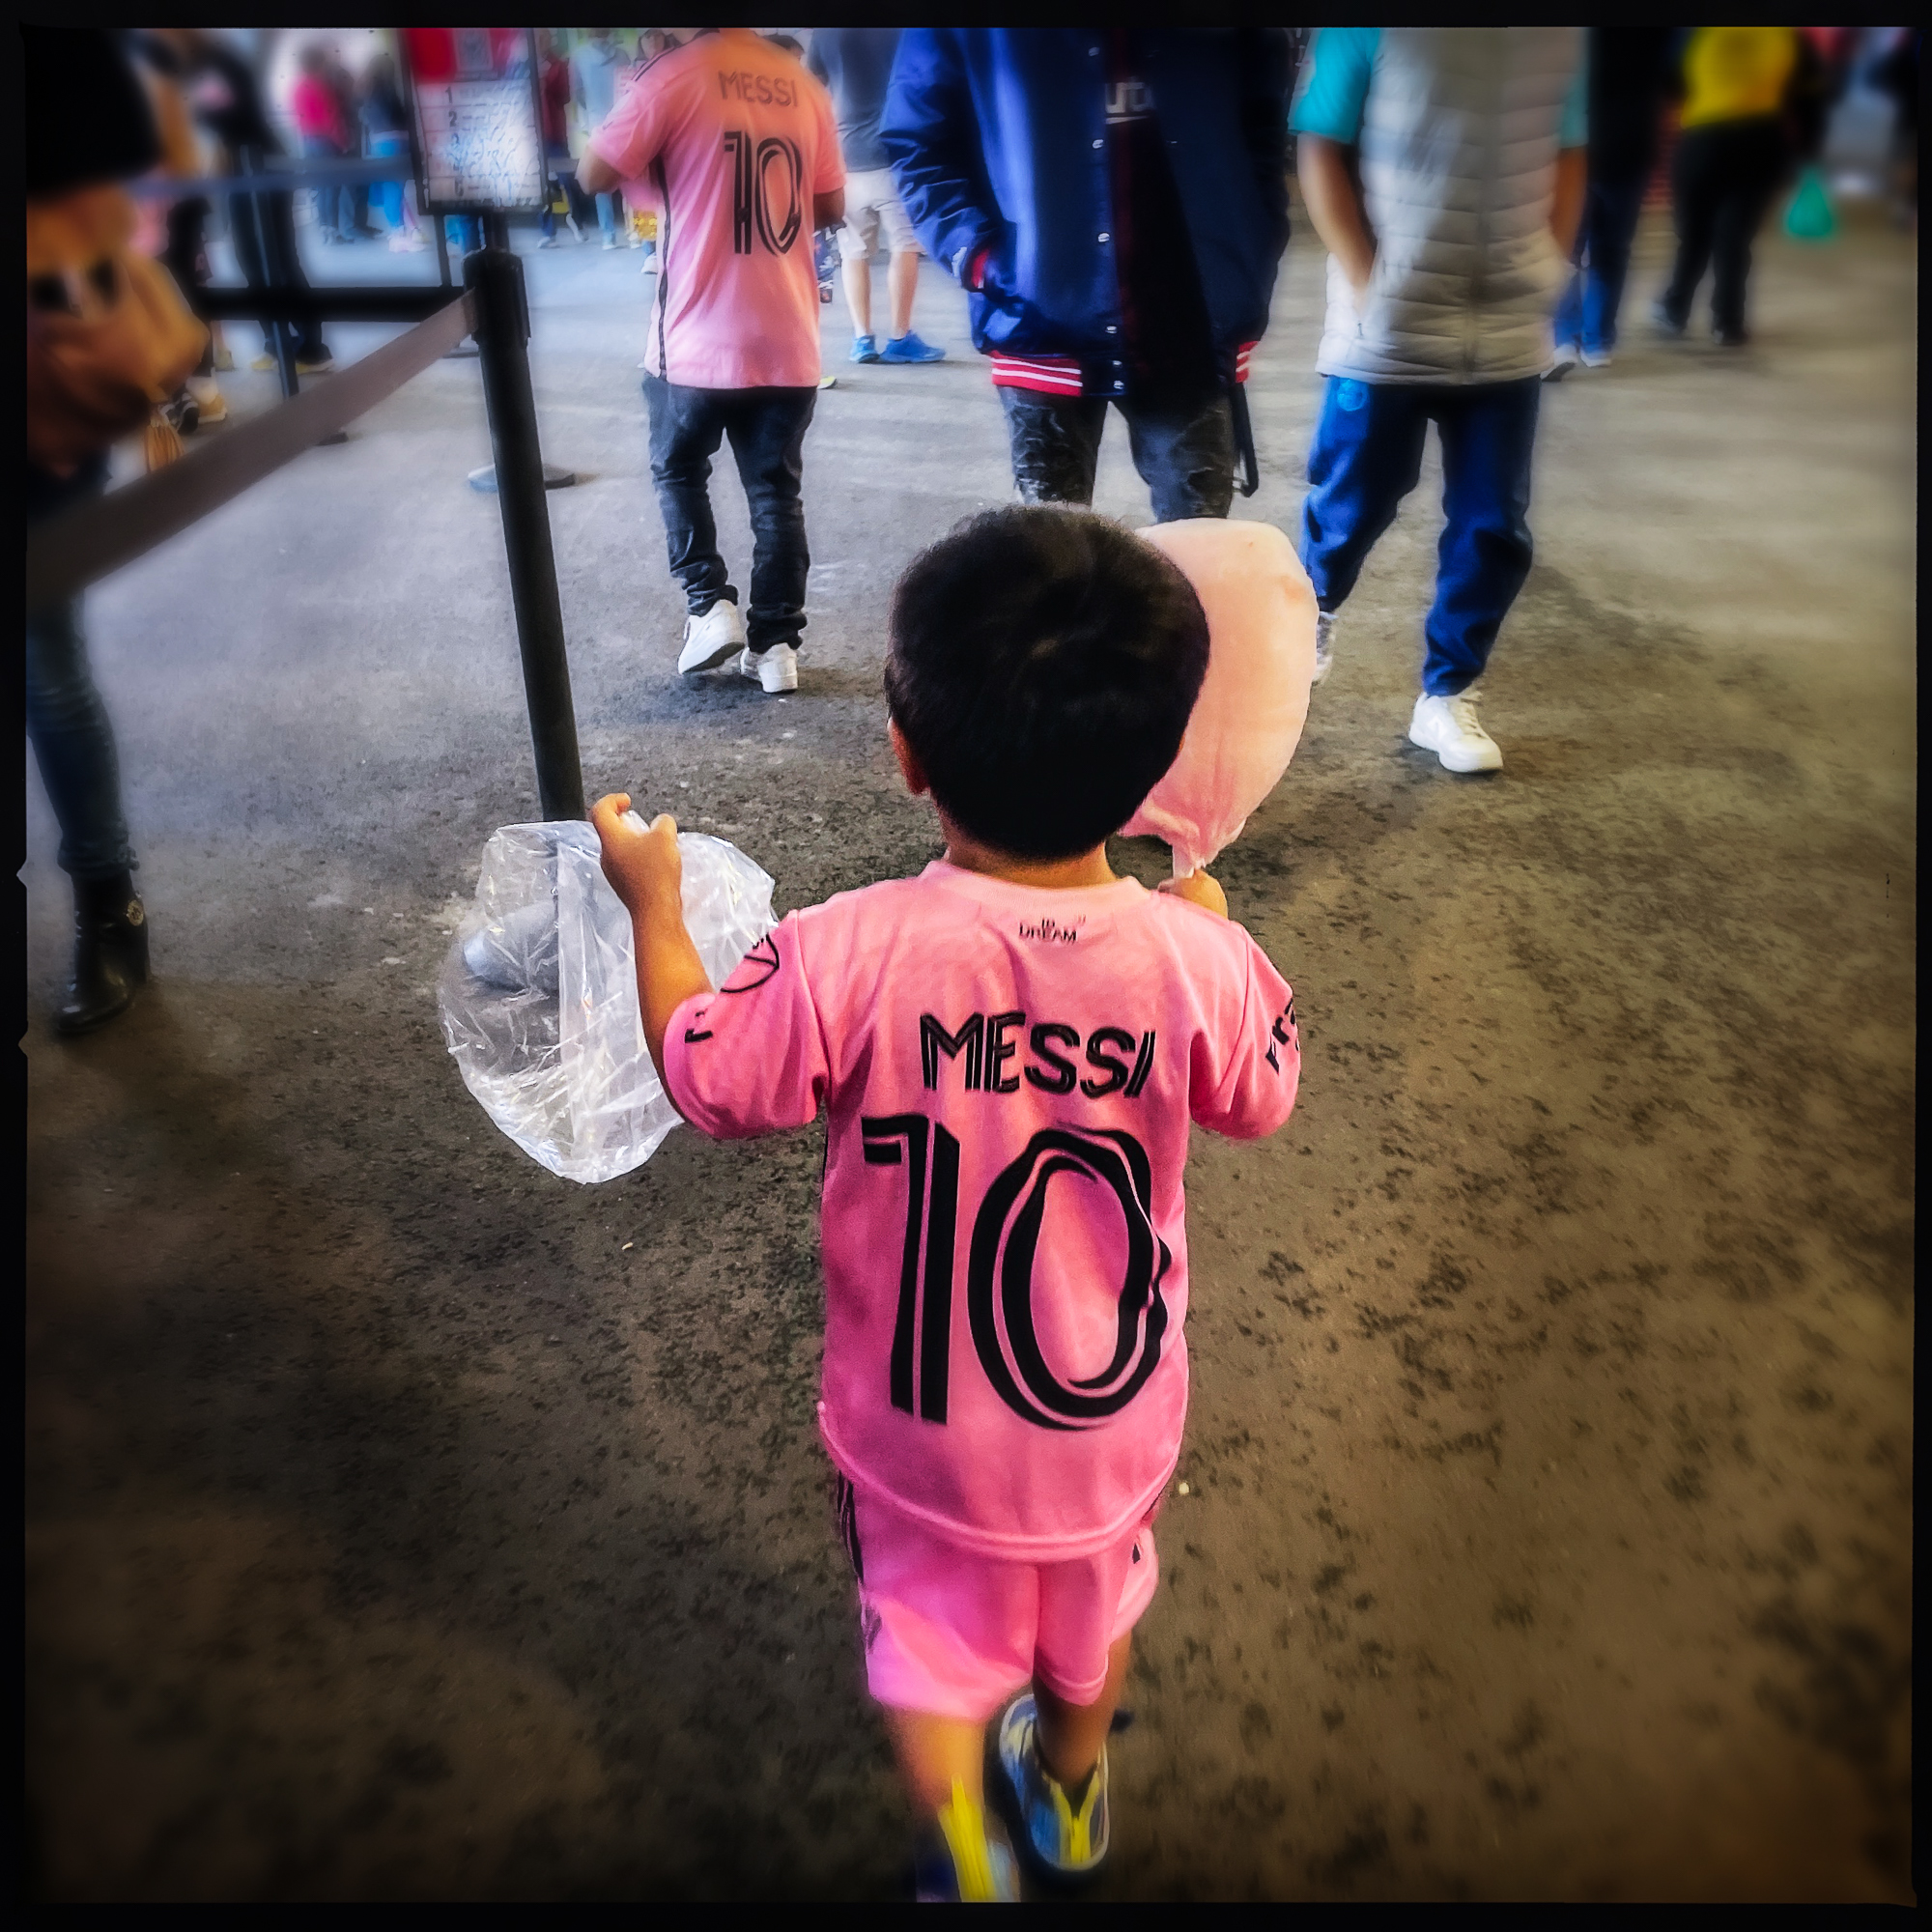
<point x="1254" y="700"/>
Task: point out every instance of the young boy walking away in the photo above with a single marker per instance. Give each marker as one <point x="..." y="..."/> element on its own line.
<point x="736" y="144"/>
<point x="1443" y="169"/>
<point x="1011" y="1048"/>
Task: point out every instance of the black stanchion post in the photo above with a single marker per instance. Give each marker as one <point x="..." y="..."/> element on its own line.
<point x="502" y="331"/>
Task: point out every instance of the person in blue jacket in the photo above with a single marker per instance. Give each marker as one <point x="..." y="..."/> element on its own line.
<point x="1116" y="201"/>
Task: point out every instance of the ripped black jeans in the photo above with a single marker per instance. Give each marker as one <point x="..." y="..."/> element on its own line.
<point x="1184" y="451"/>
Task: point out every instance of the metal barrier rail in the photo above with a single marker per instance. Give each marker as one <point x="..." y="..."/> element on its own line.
<point x="271" y="179"/>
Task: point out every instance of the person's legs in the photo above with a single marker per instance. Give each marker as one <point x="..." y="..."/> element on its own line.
<point x="1184" y="451"/>
<point x="1365" y="458"/>
<point x="1613" y="210"/>
<point x="1693" y="194"/>
<point x="686" y="429"/>
<point x="1754" y="160"/>
<point x="186" y="262"/>
<point x="858" y="235"/>
<point x="903" y="282"/>
<point x="74" y="746"/>
<point x="606" y="218"/>
<point x="767" y="431"/>
<point x="279" y="210"/>
<point x="1488" y="435"/>
<point x="1056" y="444"/>
<point x="1071" y="1735"/>
<point x="324" y="194"/>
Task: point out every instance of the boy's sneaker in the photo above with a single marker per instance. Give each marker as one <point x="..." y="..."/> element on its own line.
<point x="1731" y="338"/>
<point x="315" y="365"/>
<point x="1566" y="359"/>
<point x="775" y="669"/>
<point x="961" y="1862"/>
<point x="1667" y="324"/>
<point x="1449" y="727"/>
<point x="711" y="640"/>
<point x="1070" y="1843"/>
<point x="908" y="348"/>
<point x="865" y="349"/>
<point x="1324" y="645"/>
<point x="1595" y="359"/>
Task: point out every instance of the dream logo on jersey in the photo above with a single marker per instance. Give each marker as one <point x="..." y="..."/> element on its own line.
<point x="758" y="965"/>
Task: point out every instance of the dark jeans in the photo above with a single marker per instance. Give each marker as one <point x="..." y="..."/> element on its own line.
<point x="1723" y="179"/>
<point x="186" y="259"/>
<point x="1367" y="456"/>
<point x="73" y="743"/>
<point x="1587" y="317"/>
<point x="283" y="269"/>
<point x="767" y="432"/>
<point x="1184" y="452"/>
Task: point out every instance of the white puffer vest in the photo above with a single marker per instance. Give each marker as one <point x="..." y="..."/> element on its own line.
<point x="1458" y="168"/>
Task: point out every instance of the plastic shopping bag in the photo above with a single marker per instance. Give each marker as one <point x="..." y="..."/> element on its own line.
<point x="1254" y="700"/>
<point x="539" y="993"/>
<point x="1809" y="216"/>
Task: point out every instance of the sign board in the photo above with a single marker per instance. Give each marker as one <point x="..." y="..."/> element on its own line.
<point x="478" y="121"/>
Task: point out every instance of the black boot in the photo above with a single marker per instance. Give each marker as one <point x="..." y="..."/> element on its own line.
<point x="110" y="953"/>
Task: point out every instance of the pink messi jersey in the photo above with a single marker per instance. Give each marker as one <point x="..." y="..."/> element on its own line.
<point x="729" y="138"/>
<point x="1010" y="1074"/>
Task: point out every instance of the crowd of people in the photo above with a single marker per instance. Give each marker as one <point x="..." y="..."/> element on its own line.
<point x="1115" y="203"/>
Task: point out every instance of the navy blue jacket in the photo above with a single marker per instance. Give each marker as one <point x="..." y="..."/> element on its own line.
<point x="998" y="139"/>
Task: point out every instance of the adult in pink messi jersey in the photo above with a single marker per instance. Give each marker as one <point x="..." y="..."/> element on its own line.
<point x="1012" y="1049"/>
<point x="736" y="147"/>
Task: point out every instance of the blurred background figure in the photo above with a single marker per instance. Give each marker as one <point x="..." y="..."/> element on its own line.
<point x="1628" y="68"/>
<point x="385" y="134"/>
<point x="1752" y="101"/>
<point x="594" y="68"/>
<point x="856" y="65"/>
<point x="317" y="111"/>
<point x="107" y="337"/>
<point x="175" y="231"/>
<point x="228" y="103"/>
<point x="1896" y="74"/>
<point x="554" y="92"/>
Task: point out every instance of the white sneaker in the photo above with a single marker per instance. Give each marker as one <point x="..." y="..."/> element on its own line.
<point x="208" y="399"/>
<point x="610" y="242"/>
<point x="1595" y="359"/>
<point x="776" y="668"/>
<point x="1449" y="727"/>
<point x="710" y="639"/>
<point x="1566" y="359"/>
<point x="1324" y="645"/>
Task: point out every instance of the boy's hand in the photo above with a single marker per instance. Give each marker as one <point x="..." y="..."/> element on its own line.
<point x="644" y="868"/>
<point x="1200" y="889"/>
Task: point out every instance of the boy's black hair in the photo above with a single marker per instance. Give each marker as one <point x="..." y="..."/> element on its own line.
<point x="1042" y="666"/>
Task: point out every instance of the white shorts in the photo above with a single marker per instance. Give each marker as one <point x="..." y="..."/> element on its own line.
<point x="872" y="203"/>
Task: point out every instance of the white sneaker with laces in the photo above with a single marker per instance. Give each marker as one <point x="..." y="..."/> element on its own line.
<point x="1449" y="727"/>
<point x="1595" y="359"/>
<point x="776" y="668"/>
<point x="711" y="640"/>
<point x="1324" y="645"/>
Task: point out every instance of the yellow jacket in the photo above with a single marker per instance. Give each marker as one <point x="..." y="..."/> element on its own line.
<point x="1733" y="73"/>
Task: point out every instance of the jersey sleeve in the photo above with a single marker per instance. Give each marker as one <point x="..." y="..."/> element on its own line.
<point x="1247" y="1063"/>
<point x="634" y="130"/>
<point x="750" y="1058"/>
<point x="1334" y="87"/>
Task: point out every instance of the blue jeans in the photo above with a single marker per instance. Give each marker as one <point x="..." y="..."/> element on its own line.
<point x="74" y="746"/>
<point x="1587" y="317"/>
<point x="607" y="216"/>
<point x="384" y="147"/>
<point x="465" y="232"/>
<point x="767" y="432"/>
<point x="1367" y="456"/>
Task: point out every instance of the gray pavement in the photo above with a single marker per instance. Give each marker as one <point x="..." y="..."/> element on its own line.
<point x="403" y="1521"/>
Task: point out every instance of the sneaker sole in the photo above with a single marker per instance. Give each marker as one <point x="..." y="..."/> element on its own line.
<point x="719" y="655"/>
<point x="1450" y="764"/>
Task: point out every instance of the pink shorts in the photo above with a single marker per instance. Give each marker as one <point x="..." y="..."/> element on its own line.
<point x="954" y="1634"/>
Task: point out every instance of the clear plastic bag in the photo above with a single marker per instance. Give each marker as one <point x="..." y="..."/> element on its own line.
<point x="539" y="993"/>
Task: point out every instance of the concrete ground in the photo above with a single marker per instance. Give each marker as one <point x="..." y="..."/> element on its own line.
<point x="405" y="1522"/>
